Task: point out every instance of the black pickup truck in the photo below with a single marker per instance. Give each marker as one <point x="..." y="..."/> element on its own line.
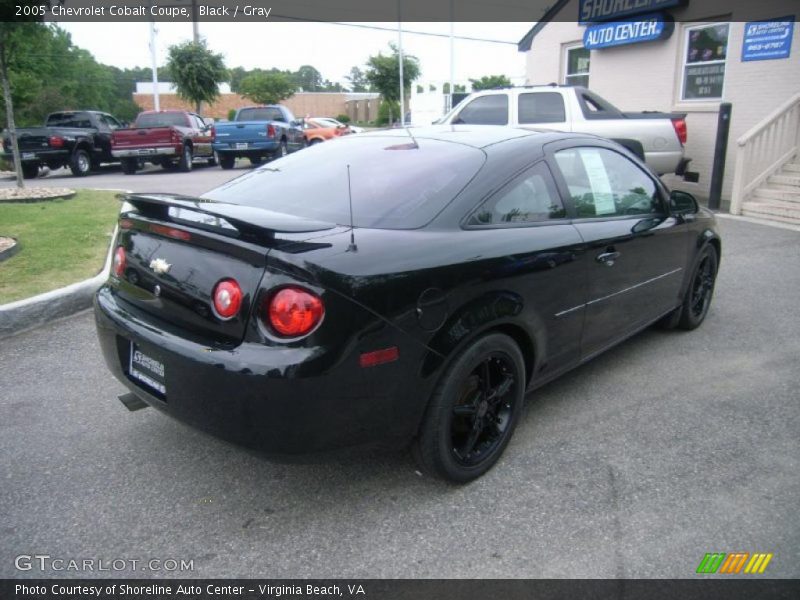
<point x="80" y="140"/>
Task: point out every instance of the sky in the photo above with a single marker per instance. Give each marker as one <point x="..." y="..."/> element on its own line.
<point x="332" y="49"/>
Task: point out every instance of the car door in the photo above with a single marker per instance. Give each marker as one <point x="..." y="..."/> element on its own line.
<point x="201" y="137"/>
<point x="491" y="109"/>
<point x="635" y="250"/>
<point x="102" y="139"/>
<point x="542" y="110"/>
<point x="535" y="255"/>
<point x="295" y="136"/>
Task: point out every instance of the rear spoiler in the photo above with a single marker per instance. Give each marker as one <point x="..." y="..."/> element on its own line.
<point x="249" y="221"/>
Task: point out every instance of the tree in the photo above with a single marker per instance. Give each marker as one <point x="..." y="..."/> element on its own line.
<point x="488" y="82"/>
<point x="9" y="32"/>
<point x="383" y="73"/>
<point x="196" y="72"/>
<point x="267" y="88"/>
<point x="358" y="81"/>
<point x="308" y="79"/>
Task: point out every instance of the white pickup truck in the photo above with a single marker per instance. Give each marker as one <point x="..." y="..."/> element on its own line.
<point x="658" y="138"/>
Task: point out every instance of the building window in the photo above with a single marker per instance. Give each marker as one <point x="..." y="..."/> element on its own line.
<point x="577" y="62"/>
<point x="704" y="62"/>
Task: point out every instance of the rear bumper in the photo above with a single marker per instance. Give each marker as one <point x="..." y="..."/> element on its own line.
<point x="665" y="161"/>
<point x="263" y="396"/>
<point x="39" y="156"/>
<point x="145" y="152"/>
<point x="252" y="147"/>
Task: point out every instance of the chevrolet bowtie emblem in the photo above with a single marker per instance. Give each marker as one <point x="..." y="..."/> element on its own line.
<point x="159" y="265"/>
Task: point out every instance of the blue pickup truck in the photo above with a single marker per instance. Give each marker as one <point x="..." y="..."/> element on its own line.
<point x="257" y="133"/>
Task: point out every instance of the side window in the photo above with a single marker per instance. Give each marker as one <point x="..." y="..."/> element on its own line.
<point x="485" y="110"/>
<point x="529" y="198"/>
<point x="112" y="122"/>
<point x="541" y="107"/>
<point x="603" y="183"/>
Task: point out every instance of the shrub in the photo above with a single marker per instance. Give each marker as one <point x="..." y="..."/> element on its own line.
<point x="343" y="118"/>
<point x="388" y="112"/>
<point x="231" y="114"/>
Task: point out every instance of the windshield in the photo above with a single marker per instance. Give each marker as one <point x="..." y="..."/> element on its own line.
<point x="161" y="120"/>
<point x="79" y="120"/>
<point x="260" y="114"/>
<point x="396" y="183"/>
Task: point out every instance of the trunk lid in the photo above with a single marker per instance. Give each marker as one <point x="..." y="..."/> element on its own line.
<point x="179" y="248"/>
<point x="241" y="131"/>
<point x="143" y="137"/>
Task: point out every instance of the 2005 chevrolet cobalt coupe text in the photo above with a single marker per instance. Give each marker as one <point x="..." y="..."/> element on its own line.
<point x="481" y="262"/>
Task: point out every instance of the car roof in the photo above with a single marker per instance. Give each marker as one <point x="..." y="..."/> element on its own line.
<point x="477" y="136"/>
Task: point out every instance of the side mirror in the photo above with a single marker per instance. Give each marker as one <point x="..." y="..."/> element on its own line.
<point x="683" y="203"/>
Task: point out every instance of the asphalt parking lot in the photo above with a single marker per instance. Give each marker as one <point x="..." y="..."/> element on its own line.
<point x="152" y="179"/>
<point x="634" y="465"/>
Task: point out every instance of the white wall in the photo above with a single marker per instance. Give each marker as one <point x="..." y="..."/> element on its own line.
<point x="648" y="76"/>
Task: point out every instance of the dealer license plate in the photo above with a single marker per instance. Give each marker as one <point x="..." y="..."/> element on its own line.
<point x="28" y="155"/>
<point x="147" y="370"/>
<point x="241" y="146"/>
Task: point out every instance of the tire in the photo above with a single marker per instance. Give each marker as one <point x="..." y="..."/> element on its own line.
<point x="314" y="142"/>
<point x="30" y="170"/>
<point x="81" y="163"/>
<point x="698" y="296"/>
<point x="226" y="161"/>
<point x="467" y="425"/>
<point x="283" y="150"/>
<point x="129" y="165"/>
<point x="185" y="162"/>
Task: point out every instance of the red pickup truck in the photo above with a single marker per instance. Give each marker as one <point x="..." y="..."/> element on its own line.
<point x="173" y="139"/>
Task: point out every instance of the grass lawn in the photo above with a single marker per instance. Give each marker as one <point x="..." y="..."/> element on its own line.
<point x="62" y="242"/>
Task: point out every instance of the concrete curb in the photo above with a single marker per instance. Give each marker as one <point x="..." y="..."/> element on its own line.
<point x="22" y="315"/>
<point x="9" y="252"/>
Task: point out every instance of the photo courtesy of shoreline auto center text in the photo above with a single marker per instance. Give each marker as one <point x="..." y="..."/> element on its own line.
<point x="392" y="299"/>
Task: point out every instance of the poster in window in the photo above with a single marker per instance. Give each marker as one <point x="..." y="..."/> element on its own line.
<point x="703" y="81"/>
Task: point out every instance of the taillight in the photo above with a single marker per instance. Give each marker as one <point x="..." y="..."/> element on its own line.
<point x="680" y="129"/>
<point x="293" y="311"/>
<point x="56" y="142"/>
<point x="120" y="262"/>
<point x="213" y="132"/>
<point x="270" y="130"/>
<point x="178" y="234"/>
<point x="227" y="298"/>
<point x="177" y="138"/>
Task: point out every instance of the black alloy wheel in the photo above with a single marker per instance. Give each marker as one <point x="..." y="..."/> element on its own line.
<point x="700" y="291"/>
<point x="473" y="411"/>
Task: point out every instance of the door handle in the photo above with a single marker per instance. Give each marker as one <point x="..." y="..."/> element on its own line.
<point x="608" y="258"/>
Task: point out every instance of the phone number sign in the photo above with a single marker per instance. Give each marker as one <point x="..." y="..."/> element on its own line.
<point x="768" y="40"/>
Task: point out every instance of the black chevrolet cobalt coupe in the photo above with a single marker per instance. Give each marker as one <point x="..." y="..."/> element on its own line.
<point x="398" y="286"/>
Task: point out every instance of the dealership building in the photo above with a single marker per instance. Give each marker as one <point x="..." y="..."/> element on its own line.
<point x="686" y="56"/>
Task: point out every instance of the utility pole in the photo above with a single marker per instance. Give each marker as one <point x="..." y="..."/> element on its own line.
<point x="400" y="57"/>
<point x="452" y="59"/>
<point x="154" y="64"/>
<point x="195" y="23"/>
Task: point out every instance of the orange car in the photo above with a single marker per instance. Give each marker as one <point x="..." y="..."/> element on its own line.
<point x="317" y="132"/>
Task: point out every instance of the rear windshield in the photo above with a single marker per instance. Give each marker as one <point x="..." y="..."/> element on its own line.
<point x="78" y="120"/>
<point x="396" y="183"/>
<point x="260" y="114"/>
<point x="161" y="120"/>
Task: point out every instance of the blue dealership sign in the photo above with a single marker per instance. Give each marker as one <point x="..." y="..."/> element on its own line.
<point x="646" y="28"/>
<point x="592" y="11"/>
<point x="768" y="40"/>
